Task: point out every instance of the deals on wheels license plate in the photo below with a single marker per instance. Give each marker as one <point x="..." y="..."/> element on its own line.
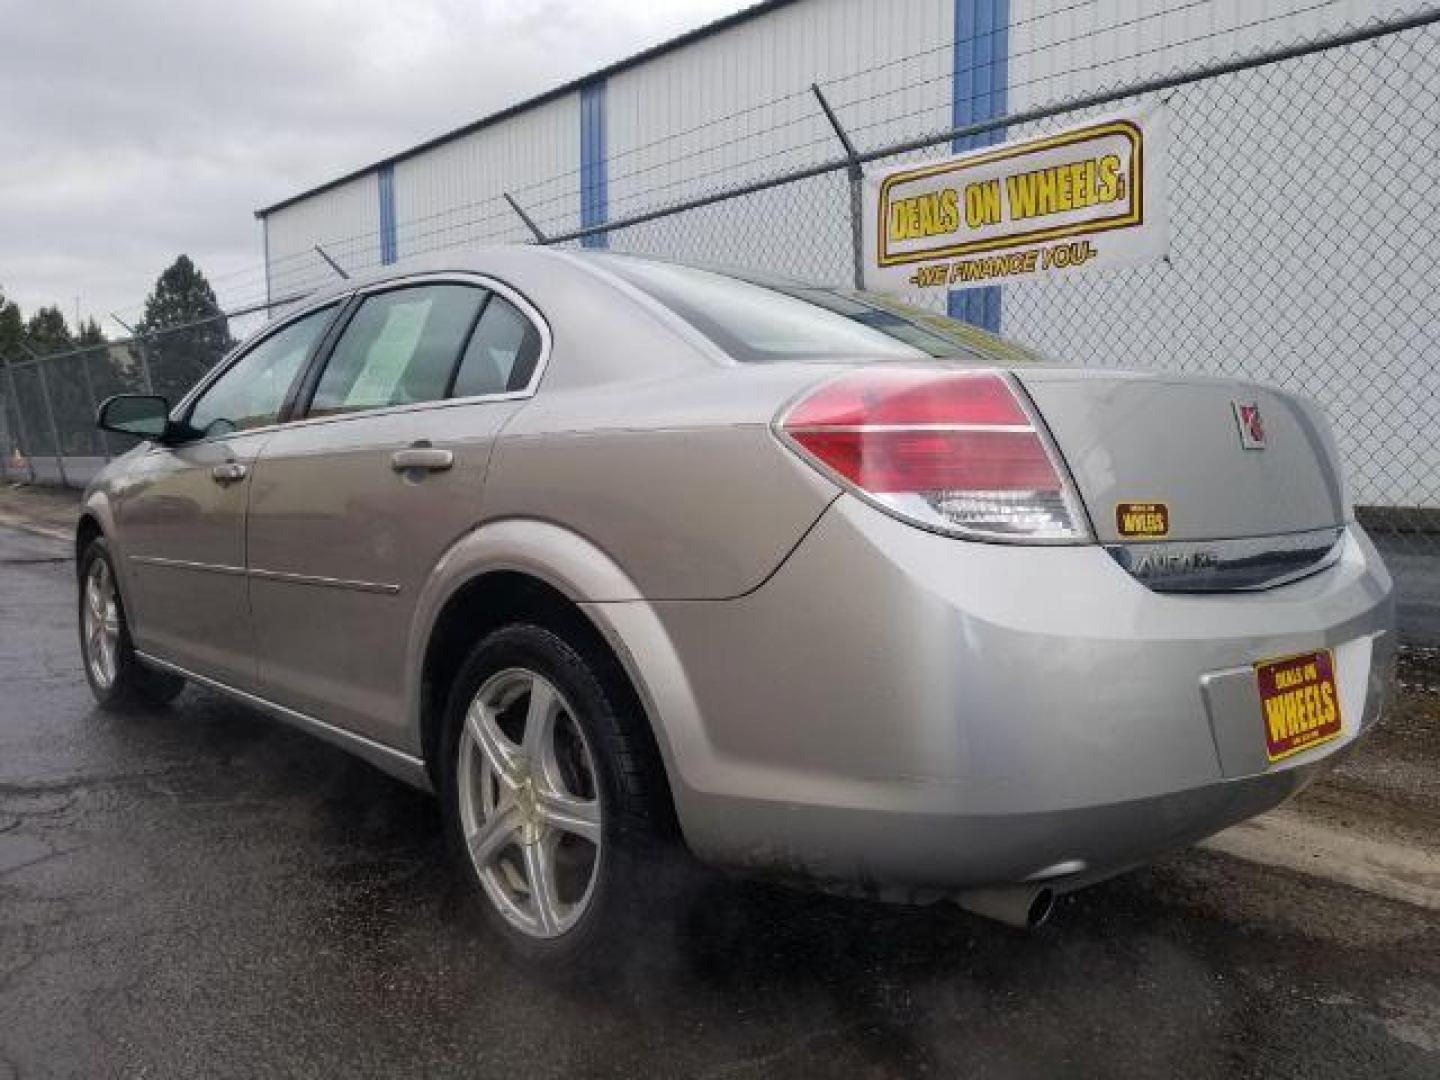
<point x="1300" y="702"/>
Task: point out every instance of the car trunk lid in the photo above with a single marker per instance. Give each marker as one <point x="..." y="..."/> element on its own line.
<point x="1196" y="483"/>
<point x="1192" y="446"/>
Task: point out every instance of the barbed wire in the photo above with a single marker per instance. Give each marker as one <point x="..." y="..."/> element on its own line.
<point x="571" y="195"/>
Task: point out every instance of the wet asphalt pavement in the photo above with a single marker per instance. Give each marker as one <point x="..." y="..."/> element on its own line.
<point x="200" y="891"/>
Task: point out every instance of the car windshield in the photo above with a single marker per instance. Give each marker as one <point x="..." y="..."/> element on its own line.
<point x="757" y="320"/>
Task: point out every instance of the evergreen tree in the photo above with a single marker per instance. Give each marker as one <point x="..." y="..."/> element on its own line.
<point x="12" y="329"/>
<point x="88" y="335"/>
<point x="47" y="333"/>
<point x="184" y="329"/>
<point x="12" y="334"/>
<point x="65" y="382"/>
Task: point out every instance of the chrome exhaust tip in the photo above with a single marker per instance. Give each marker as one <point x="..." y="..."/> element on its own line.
<point x="1025" y="907"/>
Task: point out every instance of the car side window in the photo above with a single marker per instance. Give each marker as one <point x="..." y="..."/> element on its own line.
<point x="502" y="352"/>
<point x="400" y="348"/>
<point x="251" y="393"/>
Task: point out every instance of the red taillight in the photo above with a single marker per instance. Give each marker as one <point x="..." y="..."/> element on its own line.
<point x="954" y="450"/>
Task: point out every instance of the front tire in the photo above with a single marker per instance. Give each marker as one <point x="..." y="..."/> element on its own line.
<point x="551" y="795"/>
<point x="116" y="676"/>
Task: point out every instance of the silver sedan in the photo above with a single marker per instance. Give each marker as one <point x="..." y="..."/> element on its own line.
<point x="623" y="558"/>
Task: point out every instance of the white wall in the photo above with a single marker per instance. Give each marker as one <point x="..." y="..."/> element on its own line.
<point x="1059" y="49"/>
<point x="344" y="220"/>
<point x="736" y="107"/>
<point x="452" y="195"/>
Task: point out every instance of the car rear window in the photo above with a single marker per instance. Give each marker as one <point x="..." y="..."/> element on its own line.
<point x="758" y="321"/>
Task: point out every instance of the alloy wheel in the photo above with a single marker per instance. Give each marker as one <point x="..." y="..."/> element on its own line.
<point x="529" y="803"/>
<point x="102" y="624"/>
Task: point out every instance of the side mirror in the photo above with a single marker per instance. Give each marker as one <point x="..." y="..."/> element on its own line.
<point x="145" y="416"/>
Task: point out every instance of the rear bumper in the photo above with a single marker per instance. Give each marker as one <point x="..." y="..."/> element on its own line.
<point x="907" y="855"/>
<point x="900" y="708"/>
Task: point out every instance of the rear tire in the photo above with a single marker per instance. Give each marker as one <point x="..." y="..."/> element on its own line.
<point x="116" y="676"/>
<point x="546" y="774"/>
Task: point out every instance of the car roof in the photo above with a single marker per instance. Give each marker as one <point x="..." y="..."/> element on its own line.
<point x="468" y="260"/>
<point x="485" y="259"/>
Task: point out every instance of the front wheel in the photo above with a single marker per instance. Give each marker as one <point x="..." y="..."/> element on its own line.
<point x="551" y="795"/>
<point x="116" y="676"/>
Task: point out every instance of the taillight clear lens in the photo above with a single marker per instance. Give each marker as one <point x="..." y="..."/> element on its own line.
<point x="951" y="450"/>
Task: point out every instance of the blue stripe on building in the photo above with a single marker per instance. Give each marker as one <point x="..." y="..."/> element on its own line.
<point x="594" y="196"/>
<point x="386" y="179"/>
<point x="982" y="55"/>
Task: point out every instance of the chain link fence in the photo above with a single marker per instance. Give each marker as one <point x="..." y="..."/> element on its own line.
<point x="1303" y="253"/>
<point x="48" y="403"/>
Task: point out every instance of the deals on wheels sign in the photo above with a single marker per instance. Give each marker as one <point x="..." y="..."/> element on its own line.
<point x="1089" y="196"/>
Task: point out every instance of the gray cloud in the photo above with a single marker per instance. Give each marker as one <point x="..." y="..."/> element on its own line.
<point x="135" y="130"/>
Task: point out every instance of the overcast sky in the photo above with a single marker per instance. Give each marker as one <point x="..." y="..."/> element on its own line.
<point x="133" y="130"/>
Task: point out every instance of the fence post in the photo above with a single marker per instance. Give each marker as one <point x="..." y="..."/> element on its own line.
<point x="540" y="237"/>
<point x="333" y="264"/>
<point x="97" y="437"/>
<point x="19" y="418"/>
<point x="145" y="377"/>
<point x="857" y="194"/>
<point x="59" y="453"/>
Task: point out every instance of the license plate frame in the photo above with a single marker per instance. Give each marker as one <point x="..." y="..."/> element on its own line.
<point x="1299" y="702"/>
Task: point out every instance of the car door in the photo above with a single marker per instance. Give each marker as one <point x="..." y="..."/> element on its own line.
<point x="182" y="511"/>
<point x="353" y="505"/>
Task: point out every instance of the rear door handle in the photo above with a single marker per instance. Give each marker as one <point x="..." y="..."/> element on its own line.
<point x="228" y="473"/>
<point x="426" y="458"/>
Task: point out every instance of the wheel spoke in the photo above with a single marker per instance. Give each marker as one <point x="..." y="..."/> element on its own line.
<point x="540" y="720"/>
<point x="498" y="831"/>
<point x="95" y="640"/>
<point x="503" y="756"/>
<point x="540" y="872"/>
<point x="567" y="813"/>
<point x="93" y="599"/>
<point x="101" y="654"/>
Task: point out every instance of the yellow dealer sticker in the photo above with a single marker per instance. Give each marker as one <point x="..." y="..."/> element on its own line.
<point x="1091" y="195"/>
<point x="1142" y="520"/>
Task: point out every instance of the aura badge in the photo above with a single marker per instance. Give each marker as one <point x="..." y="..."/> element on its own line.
<point x="1251" y="424"/>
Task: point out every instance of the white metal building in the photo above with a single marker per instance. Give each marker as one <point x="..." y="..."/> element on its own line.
<point x="732" y="102"/>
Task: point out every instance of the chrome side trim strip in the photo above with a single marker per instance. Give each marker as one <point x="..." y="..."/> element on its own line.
<point x="269" y="575"/>
<point x="1243" y="565"/>
<point x="405" y="766"/>
<point x="183" y="564"/>
<point x="328" y="582"/>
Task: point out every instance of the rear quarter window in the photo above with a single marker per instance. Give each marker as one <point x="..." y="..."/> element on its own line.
<point x="757" y="321"/>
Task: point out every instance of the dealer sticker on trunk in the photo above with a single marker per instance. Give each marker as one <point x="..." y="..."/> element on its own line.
<point x="1147" y="520"/>
<point x="1300" y="702"/>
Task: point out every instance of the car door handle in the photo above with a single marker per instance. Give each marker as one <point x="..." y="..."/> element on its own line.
<point x="228" y="473"/>
<point x="421" y="457"/>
